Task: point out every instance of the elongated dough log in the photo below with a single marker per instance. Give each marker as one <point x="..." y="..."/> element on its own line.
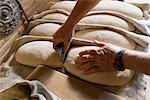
<point x="55" y="16"/>
<point x="121" y="7"/>
<point x="38" y="52"/>
<point x="111" y="78"/>
<point x="46" y="29"/>
<point x="106" y="36"/>
<point x="108" y="20"/>
<point x="65" y="5"/>
<point x="117" y="6"/>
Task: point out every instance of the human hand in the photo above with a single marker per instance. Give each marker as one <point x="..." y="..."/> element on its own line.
<point x="92" y="61"/>
<point x="63" y="36"/>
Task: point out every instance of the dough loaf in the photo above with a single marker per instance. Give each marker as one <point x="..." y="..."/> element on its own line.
<point x="38" y="52"/>
<point x="117" y="6"/>
<point x="46" y="29"/>
<point x="106" y="36"/>
<point x="108" y="20"/>
<point x="111" y="78"/>
<point x="65" y="5"/>
<point x="121" y="7"/>
<point x="55" y="16"/>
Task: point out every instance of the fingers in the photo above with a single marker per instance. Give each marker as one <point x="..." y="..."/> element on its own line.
<point x="66" y="45"/>
<point x="92" y="70"/>
<point x="89" y="68"/>
<point x="88" y="52"/>
<point x="55" y="41"/>
<point x="85" y="66"/>
<point x="81" y="60"/>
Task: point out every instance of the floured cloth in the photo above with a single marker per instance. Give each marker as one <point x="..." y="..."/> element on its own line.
<point x="28" y="90"/>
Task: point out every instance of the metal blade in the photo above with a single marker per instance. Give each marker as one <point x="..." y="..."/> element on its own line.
<point x="61" y="53"/>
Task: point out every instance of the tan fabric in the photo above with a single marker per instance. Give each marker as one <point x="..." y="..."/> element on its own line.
<point x="117" y="6"/>
<point x="46" y="29"/>
<point x="106" y="36"/>
<point x="108" y="20"/>
<point x="28" y="90"/>
<point x="111" y="78"/>
<point x="38" y="52"/>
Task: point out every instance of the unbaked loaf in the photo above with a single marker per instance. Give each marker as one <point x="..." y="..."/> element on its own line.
<point x="117" y="6"/>
<point x="104" y="19"/>
<point x="121" y="7"/>
<point x="65" y="5"/>
<point x="110" y="78"/>
<point x="55" y="16"/>
<point x="106" y="36"/>
<point x="38" y="52"/>
<point x="46" y="29"/>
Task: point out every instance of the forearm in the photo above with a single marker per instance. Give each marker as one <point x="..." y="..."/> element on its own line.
<point x="80" y="10"/>
<point x="137" y="61"/>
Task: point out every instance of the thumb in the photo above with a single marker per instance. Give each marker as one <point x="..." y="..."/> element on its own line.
<point x="100" y="44"/>
<point x="66" y="46"/>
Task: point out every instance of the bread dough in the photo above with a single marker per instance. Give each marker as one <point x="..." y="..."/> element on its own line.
<point x="46" y="29"/>
<point x="65" y="5"/>
<point x="121" y="7"/>
<point x="111" y="78"/>
<point x="56" y="16"/>
<point x="95" y="19"/>
<point x="106" y="36"/>
<point x="108" y="20"/>
<point x="38" y="52"/>
<point x="117" y="6"/>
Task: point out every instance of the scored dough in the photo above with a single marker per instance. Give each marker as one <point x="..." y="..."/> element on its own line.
<point x="55" y="16"/>
<point x="111" y="78"/>
<point x="108" y="20"/>
<point x="106" y="36"/>
<point x="117" y="6"/>
<point x="38" y="52"/>
<point x="46" y="29"/>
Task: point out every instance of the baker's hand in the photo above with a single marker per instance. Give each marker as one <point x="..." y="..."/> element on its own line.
<point x="92" y="61"/>
<point x="63" y="36"/>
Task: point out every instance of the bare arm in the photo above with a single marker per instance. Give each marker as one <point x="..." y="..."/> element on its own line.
<point x="137" y="61"/>
<point x="81" y="9"/>
<point x="65" y="33"/>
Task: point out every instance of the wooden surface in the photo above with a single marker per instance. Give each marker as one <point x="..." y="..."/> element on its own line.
<point x="69" y="88"/>
<point x="31" y="7"/>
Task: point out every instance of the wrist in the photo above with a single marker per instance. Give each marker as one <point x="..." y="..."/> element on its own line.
<point x="137" y="61"/>
<point x="69" y="24"/>
<point x="118" y="61"/>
